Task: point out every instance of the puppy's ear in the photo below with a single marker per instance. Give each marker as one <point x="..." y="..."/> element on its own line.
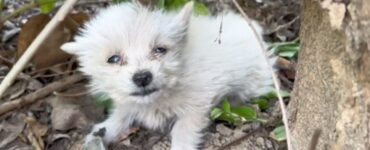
<point x="183" y="17"/>
<point x="179" y="25"/>
<point x="71" y="48"/>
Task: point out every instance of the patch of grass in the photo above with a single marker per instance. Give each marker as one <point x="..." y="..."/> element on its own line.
<point x="278" y="133"/>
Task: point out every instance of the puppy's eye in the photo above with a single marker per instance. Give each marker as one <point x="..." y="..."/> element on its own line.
<point x="114" y="59"/>
<point x="160" y="50"/>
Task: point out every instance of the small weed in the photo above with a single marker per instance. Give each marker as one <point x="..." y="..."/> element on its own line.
<point x="233" y="115"/>
<point x="286" y="49"/>
<point x="104" y="101"/>
<point x="263" y="102"/>
<point x="241" y="114"/>
<point x="278" y="133"/>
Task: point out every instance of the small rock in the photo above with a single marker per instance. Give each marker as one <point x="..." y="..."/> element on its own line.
<point x="260" y="141"/>
<point x="223" y="130"/>
<point x="268" y="144"/>
<point x="10" y="34"/>
<point x="67" y="117"/>
<point x="74" y="111"/>
<point x="238" y="133"/>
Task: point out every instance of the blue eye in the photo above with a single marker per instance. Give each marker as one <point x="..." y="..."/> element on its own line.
<point x="114" y="59"/>
<point x="160" y="50"/>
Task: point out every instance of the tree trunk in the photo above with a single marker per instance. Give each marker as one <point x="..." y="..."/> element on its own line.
<point x="332" y="88"/>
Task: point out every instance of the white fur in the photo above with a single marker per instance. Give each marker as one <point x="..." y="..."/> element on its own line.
<point x="192" y="76"/>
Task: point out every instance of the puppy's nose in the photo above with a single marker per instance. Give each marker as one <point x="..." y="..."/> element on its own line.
<point x="142" y="78"/>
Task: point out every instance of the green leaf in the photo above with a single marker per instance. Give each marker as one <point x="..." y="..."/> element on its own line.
<point x="105" y="102"/>
<point x="286" y="49"/>
<point x="175" y="4"/>
<point x="278" y="134"/>
<point x="226" y="117"/>
<point x="273" y="94"/>
<point x="46" y="6"/>
<point x="247" y="113"/>
<point x="201" y="9"/>
<point x="284" y="93"/>
<point x="215" y="113"/>
<point x="263" y="104"/>
<point x="160" y="3"/>
<point x="289" y="54"/>
<point x="226" y="106"/>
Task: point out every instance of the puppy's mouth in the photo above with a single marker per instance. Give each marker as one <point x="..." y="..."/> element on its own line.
<point x="144" y="92"/>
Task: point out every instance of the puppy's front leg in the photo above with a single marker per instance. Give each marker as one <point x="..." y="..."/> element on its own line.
<point x="116" y="124"/>
<point x="186" y="133"/>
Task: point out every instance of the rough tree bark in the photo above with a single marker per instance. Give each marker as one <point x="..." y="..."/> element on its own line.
<point x="332" y="89"/>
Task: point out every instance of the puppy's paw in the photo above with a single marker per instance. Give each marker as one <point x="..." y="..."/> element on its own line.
<point x="93" y="143"/>
<point x="94" y="140"/>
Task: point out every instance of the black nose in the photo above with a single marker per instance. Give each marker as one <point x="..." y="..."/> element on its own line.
<point x="142" y="78"/>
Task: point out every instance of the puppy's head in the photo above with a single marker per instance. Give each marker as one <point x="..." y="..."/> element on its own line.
<point x="132" y="53"/>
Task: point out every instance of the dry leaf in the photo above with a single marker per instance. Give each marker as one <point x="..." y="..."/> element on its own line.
<point x="37" y="132"/>
<point x="11" y="130"/>
<point x="49" y="52"/>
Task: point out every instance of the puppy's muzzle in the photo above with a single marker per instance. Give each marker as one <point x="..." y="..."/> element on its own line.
<point x="142" y="78"/>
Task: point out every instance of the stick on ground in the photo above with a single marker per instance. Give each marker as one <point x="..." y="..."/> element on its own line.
<point x="43" y="92"/>
<point x="31" y="50"/>
<point x="274" y="77"/>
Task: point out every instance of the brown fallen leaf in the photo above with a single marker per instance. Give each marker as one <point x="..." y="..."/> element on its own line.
<point x="10" y="130"/>
<point x="36" y="133"/>
<point x="49" y="52"/>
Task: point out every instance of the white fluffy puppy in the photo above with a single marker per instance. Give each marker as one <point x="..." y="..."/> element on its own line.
<point x="159" y="66"/>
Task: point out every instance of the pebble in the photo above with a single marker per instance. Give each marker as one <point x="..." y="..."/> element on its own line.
<point x="10" y="34"/>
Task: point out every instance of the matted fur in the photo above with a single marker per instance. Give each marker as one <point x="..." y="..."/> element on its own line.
<point x="194" y="74"/>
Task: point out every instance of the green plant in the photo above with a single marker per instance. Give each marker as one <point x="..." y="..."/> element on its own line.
<point x="278" y="134"/>
<point x="233" y="115"/>
<point x="104" y="101"/>
<point x="286" y="49"/>
<point x="46" y="6"/>
<point x="170" y="5"/>
<point x="263" y="101"/>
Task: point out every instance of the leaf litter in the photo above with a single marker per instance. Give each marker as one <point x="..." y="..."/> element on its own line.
<point x="60" y="122"/>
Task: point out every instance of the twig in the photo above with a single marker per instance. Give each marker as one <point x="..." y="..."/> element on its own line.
<point x="6" y="61"/>
<point x="54" y="74"/>
<point x="71" y="94"/>
<point x="33" y="97"/>
<point x="31" y="50"/>
<point x="218" y="39"/>
<point x="237" y="141"/>
<point x="66" y="63"/>
<point x="315" y="139"/>
<point x="283" y="26"/>
<point x="1" y="7"/>
<point x="24" y="8"/>
<point x="274" y="77"/>
<point x="19" y="11"/>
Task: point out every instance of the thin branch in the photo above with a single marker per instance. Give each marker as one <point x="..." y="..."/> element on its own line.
<point x="240" y="139"/>
<point x="19" y="11"/>
<point x="31" y="50"/>
<point x="274" y="77"/>
<point x="1" y="7"/>
<point x="45" y="91"/>
<point x="315" y="139"/>
<point x="86" y="92"/>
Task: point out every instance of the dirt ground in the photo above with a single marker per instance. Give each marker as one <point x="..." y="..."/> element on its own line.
<point x="60" y="120"/>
